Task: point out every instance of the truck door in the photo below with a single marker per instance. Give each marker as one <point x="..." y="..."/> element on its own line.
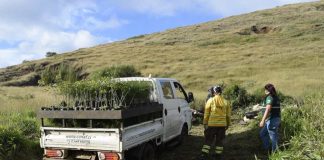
<point x="182" y="106"/>
<point x="171" y="114"/>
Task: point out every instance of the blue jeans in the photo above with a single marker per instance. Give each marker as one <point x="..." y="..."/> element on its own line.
<point x="270" y="132"/>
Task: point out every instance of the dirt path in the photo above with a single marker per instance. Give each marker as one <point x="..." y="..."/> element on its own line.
<point x="241" y="143"/>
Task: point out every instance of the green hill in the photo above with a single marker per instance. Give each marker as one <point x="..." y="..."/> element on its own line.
<point x="283" y="45"/>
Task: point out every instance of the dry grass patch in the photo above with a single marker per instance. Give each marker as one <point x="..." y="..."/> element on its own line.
<point x="21" y="99"/>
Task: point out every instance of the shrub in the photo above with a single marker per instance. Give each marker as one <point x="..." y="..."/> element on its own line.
<point x="47" y="77"/>
<point x="25" y="61"/>
<point x="117" y="71"/>
<point x="50" y="54"/>
<point x="11" y="142"/>
<point x="67" y="73"/>
<point x="29" y="127"/>
<point x="19" y="133"/>
<point x="60" y="74"/>
<point x="24" y="123"/>
<point x="136" y="37"/>
<point x="291" y="123"/>
<point x="237" y="95"/>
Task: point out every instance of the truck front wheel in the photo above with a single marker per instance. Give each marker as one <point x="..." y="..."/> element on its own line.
<point x="183" y="135"/>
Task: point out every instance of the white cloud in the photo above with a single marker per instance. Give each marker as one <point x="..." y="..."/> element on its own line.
<point x="45" y="41"/>
<point x="84" y="39"/>
<point x="36" y="26"/>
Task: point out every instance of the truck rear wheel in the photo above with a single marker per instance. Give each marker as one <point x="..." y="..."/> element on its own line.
<point x="147" y="152"/>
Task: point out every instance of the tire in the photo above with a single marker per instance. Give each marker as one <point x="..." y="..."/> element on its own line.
<point x="183" y="135"/>
<point x="147" y="152"/>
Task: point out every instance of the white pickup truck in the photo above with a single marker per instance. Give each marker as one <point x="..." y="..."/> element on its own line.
<point x="168" y="118"/>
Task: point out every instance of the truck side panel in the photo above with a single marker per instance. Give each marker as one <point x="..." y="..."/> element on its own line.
<point x="136" y="135"/>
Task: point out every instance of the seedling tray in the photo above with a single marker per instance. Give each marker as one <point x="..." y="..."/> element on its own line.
<point x="134" y="111"/>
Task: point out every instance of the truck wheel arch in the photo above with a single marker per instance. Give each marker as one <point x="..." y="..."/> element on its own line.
<point x="183" y="134"/>
<point x="147" y="151"/>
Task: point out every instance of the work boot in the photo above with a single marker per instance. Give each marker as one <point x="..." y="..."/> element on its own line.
<point x="217" y="157"/>
<point x="202" y="157"/>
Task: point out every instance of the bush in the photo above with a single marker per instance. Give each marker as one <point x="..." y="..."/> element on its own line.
<point x="25" y="61"/>
<point x="47" y="77"/>
<point x="24" y="123"/>
<point x="67" y="73"/>
<point x="237" y="95"/>
<point x="117" y="71"/>
<point x="11" y="143"/>
<point x="19" y="133"/>
<point x="291" y="123"/>
<point x="60" y="74"/>
<point x="29" y="127"/>
<point x="50" y="54"/>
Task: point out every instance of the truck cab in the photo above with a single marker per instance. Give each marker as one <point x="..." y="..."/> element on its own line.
<point x="167" y="117"/>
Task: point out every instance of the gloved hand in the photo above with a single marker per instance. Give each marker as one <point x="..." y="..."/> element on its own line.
<point x="205" y="126"/>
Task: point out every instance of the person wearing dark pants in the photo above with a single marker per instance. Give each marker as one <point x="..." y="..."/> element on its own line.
<point x="216" y="121"/>
<point x="210" y="134"/>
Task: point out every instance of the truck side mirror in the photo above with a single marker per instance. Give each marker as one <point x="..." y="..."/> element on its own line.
<point x="190" y="97"/>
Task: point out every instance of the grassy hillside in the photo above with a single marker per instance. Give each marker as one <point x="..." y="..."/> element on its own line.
<point x="281" y="45"/>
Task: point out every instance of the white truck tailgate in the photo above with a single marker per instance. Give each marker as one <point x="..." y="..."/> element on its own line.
<point x="80" y="138"/>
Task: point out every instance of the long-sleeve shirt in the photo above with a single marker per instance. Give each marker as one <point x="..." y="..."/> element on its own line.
<point x="217" y="112"/>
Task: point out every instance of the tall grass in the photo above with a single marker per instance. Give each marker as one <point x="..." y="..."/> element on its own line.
<point x="19" y="133"/>
<point x="303" y="130"/>
<point x="22" y="99"/>
<point x="19" y="127"/>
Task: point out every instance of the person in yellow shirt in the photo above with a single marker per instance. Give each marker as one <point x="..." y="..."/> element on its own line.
<point x="217" y="119"/>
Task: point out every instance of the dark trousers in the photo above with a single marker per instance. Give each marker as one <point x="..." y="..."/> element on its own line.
<point x="210" y="134"/>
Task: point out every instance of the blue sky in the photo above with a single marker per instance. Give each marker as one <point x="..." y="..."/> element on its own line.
<point x="30" y="28"/>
